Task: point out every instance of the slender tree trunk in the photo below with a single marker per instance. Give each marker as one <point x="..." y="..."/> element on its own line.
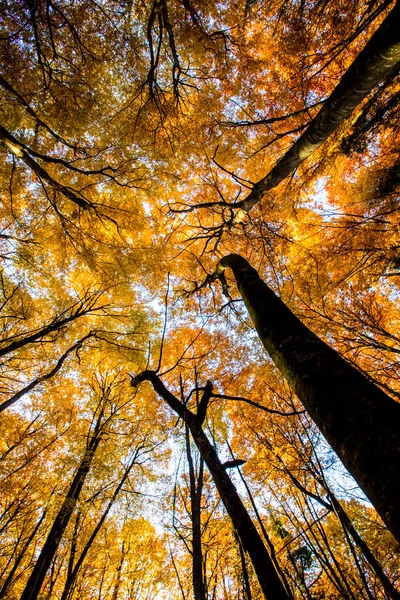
<point x="119" y="574"/>
<point x="60" y="523"/>
<point x="44" y="377"/>
<point x="358" y="419"/>
<point x="19" y="557"/>
<point x="343" y="517"/>
<point x="85" y="306"/>
<point x="246" y="581"/>
<point x="362" y="545"/>
<point x="324" y="554"/>
<point x="20" y="150"/>
<point x="332" y="555"/>
<point x="252" y="543"/>
<point x="264" y="531"/>
<point x="300" y="577"/>
<point x="196" y="488"/>
<point x="73" y="569"/>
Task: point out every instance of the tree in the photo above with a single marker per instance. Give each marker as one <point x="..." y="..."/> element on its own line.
<point x="246" y="531"/>
<point x="356" y="417"/>
<point x="141" y="142"/>
<point x="379" y="59"/>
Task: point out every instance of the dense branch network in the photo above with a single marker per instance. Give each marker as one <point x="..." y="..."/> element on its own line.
<point x="379" y="60"/>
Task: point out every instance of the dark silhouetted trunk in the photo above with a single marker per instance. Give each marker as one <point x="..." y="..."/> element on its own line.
<point x="379" y="59"/>
<point x="196" y="488"/>
<point x="44" y="377"/>
<point x="358" y="419"/>
<point x="62" y="519"/>
<point x="251" y="541"/>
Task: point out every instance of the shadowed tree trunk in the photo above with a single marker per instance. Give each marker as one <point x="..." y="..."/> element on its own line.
<point x="18" y="149"/>
<point x="246" y="581"/>
<point x="251" y="541"/>
<point x="270" y="545"/>
<point x="47" y="554"/>
<point x="357" y="418"/>
<point x="196" y="488"/>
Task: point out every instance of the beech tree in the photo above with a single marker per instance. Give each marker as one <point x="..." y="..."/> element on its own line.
<point x="356" y="417"/>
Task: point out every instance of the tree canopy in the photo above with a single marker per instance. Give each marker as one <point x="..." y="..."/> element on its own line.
<point x="149" y="446"/>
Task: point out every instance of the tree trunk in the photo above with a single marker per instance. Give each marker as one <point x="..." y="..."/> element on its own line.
<point x="19" y="557"/>
<point x="74" y="568"/>
<point x="264" y="532"/>
<point x="196" y="488"/>
<point x="358" y="419"/>
<point x="60" y="523"/>
<point x="252" y="543"/>
<point x="46" y="376"/>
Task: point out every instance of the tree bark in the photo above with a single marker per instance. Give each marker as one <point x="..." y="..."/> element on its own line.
<point x="359" y="421"/>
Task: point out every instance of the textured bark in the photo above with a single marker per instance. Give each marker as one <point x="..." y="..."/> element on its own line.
<point x="250" y="539"/>
<point x="379" y="59"/>
<point x="359" y="421"/>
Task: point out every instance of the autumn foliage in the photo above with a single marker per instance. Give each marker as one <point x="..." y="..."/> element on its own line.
<point x="141" y="142"/>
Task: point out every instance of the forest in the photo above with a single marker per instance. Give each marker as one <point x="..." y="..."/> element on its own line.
<point x="199" y="291"/>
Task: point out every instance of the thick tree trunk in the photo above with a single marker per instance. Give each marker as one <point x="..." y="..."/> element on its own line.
<point x="252" y="543"/>
<point x="358" y="419"/>
<point x="379" y="59"/>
